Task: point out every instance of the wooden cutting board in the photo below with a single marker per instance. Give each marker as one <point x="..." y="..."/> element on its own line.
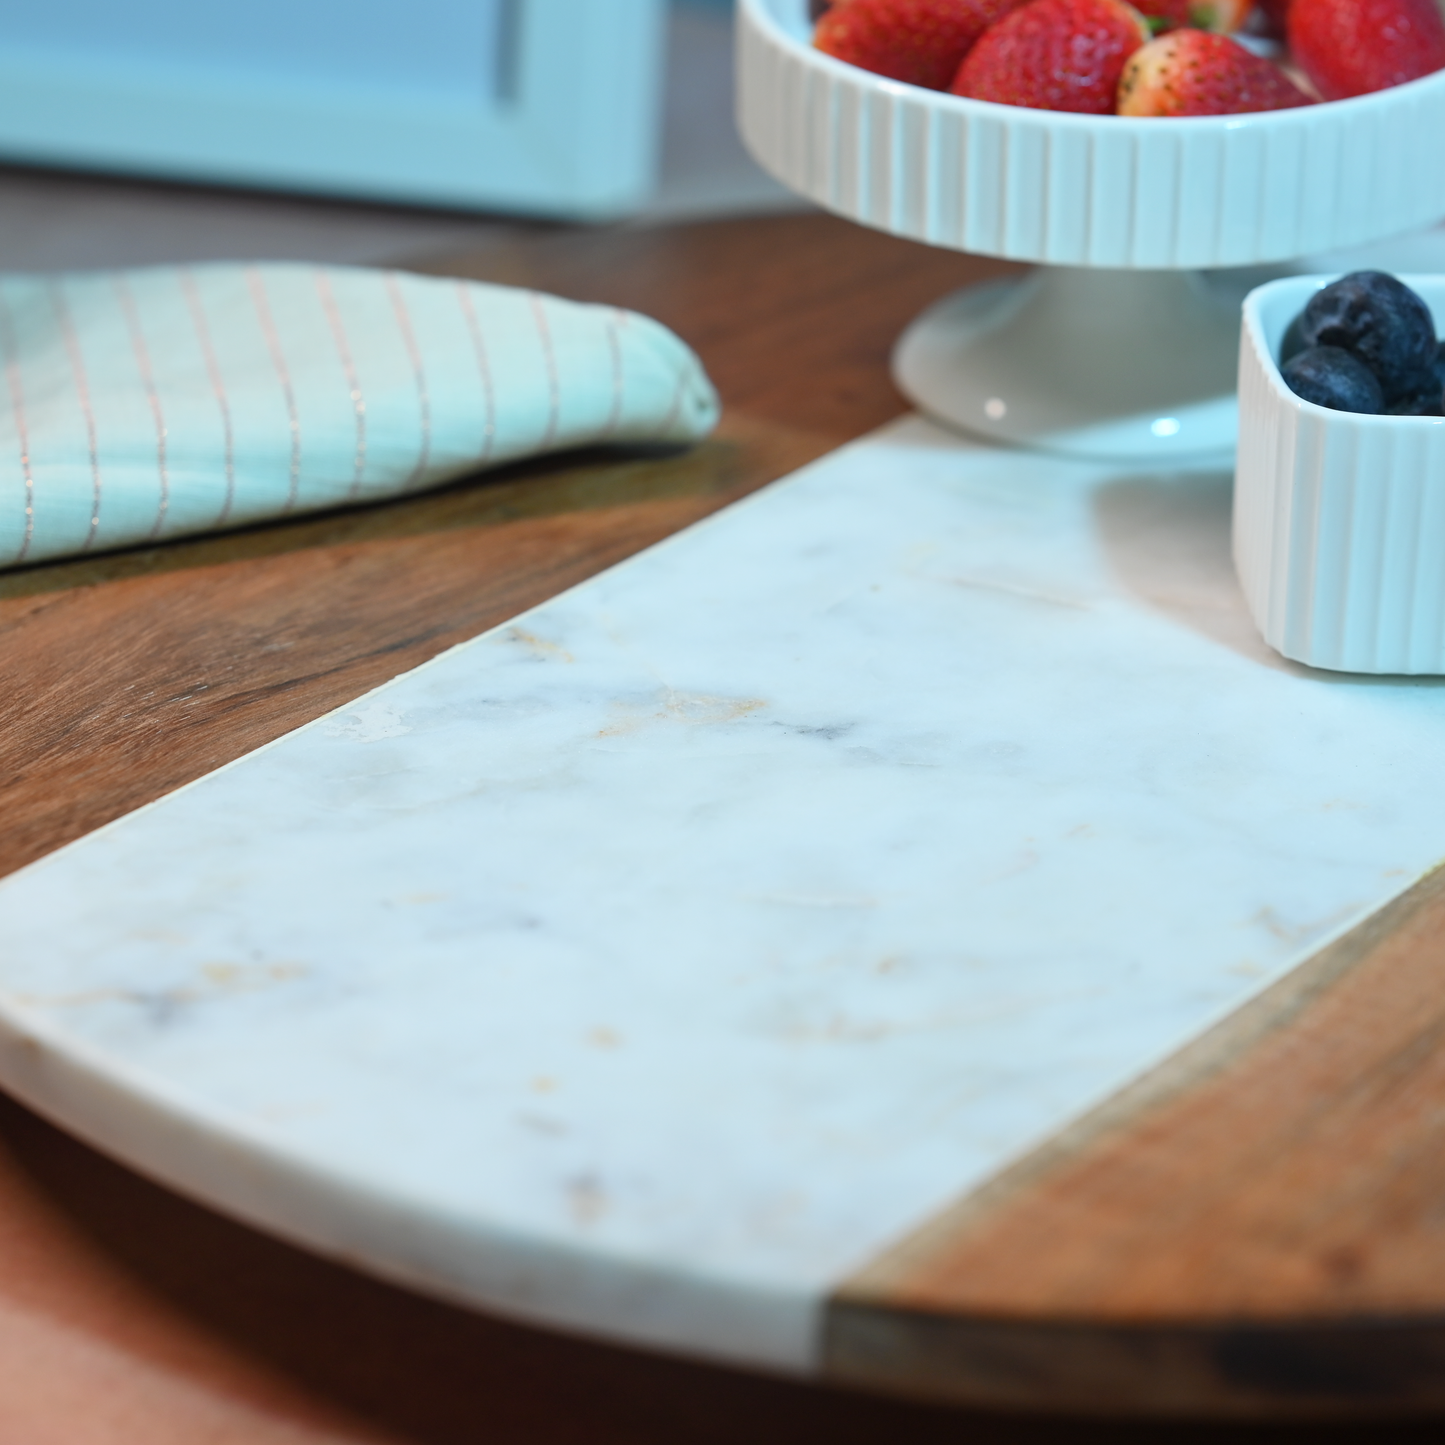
<point x="1025" y="1292"/>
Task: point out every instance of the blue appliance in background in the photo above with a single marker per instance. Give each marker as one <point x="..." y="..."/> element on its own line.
<point x="548" y="107"/>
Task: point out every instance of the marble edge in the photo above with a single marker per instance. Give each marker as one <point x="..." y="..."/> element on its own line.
<point x="391" y="1233"/>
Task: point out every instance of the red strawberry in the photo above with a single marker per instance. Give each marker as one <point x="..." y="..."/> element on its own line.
<point x="920" y="41"/>
<point x="1054" y="55"/>
<point x="1351" y="47"/>
<point x="1192" y="72"/>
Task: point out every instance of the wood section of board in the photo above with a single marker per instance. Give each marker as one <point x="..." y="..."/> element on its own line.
<point x="1257" y="1227"/>
<point x="124" y="677"/>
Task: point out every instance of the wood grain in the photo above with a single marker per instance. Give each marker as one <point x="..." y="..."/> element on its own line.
<point x="1256" y="1227"/>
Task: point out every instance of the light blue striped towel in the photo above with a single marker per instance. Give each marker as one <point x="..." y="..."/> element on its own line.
<point x="142" y="405"/>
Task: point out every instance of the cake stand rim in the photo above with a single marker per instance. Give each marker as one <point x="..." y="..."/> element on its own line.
<point x="1058" y="188"/>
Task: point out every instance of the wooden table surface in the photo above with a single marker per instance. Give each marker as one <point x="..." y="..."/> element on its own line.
<point x="1258" y="1229"/>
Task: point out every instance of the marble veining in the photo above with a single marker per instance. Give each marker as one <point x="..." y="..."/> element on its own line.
<point x="646" y="965"/>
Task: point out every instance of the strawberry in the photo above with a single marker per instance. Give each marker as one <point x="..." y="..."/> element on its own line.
<point x="1054" y="55"/>
<point x="919" y="41"/>
<point x="1192" y="72"/>
<point x="1351" y="47"/>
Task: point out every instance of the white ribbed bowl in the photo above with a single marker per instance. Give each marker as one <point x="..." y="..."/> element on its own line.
<point x="1339" y="519"/>
<point x="1079" y="190"/>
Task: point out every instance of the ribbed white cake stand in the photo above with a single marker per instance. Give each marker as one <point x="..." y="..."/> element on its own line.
<point x="1117" y="346"/>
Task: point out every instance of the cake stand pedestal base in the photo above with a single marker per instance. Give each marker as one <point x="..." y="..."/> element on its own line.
<point x="1088" y="363"/>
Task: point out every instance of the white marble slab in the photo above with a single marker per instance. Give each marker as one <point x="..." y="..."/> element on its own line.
<point x="647" y="965"/>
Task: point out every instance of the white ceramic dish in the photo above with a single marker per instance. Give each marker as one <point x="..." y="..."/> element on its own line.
<point x="1079" y="190"/>
<point x="1339" y="519"/>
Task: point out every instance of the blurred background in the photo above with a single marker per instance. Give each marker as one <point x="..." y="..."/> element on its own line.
<point x="169" y="173"/>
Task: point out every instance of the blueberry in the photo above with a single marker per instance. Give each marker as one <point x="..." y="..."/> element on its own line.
<point x="1382" y="321"/>
<point x="1426" y="398"/>
<point x="1330" y="376"/>
<point x="1425" y="402"/>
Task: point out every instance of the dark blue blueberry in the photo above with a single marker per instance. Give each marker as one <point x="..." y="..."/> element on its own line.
<point x="1425" y="402"/>
<point x="1382" y="321"/>
<point x="1330" y="376"/>
<point x="1426" y="397"/>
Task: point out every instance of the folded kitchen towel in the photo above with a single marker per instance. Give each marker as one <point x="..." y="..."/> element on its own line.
<point x="142" y="405"/>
